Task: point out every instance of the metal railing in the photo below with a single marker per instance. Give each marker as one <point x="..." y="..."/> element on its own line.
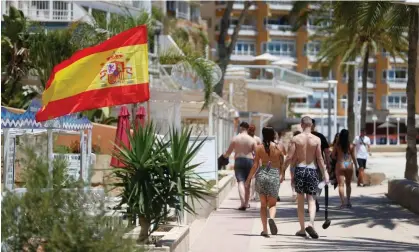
<point x="309" y="105"/>
<point x="244" y="52"/>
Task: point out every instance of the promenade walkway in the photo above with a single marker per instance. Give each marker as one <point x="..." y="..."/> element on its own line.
<point x="373" y="224"/>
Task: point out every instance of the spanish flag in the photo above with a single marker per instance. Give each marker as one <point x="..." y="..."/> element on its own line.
<point x="112" y="73"/>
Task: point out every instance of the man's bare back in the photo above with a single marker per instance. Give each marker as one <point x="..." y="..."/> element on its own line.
<point x="243" y="145"/>
<point x="307" y="149"/>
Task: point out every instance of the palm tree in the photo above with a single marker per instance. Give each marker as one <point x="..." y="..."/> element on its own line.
<point x="407" y="15"/>
<point x="371" y="28"/>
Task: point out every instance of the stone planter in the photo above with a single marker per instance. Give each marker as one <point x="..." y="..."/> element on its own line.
<point x="175" y="240"/>
<point x="405" y="193"/>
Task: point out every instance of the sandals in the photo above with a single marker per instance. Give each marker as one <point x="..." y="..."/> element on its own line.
<point x="273" y="227"/>
<point x="242" y="208"/>
<point x="349" y="205"/>
<point x="264" y="234"/>
<point x="342" y="206"/>
<point x="313" y="234"/>
<point x="301" y="234"/>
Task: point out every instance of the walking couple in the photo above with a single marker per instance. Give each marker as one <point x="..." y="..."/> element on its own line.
<point x="248" y="154"/>
<point x="305" y="152"/>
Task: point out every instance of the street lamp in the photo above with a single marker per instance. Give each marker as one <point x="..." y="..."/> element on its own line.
<point x="374" y="119"/>
<point x="398" y="130"/>
<point x="329" y="109"/>
<point x="356" y="105"/>
<point x="387" y="122"/>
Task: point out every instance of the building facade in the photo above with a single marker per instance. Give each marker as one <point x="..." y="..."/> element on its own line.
<point x="267" y="29"/>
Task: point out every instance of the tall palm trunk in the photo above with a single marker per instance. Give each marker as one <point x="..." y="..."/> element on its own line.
<point x="364" y="88"/>
<point x="350" y="102"/>
<point x="411" y="171"/>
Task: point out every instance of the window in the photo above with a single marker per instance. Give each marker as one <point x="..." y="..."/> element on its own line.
<point x="312" y="48"/>
<point x="314" y="74"/>
<point x="397" y="101"/>
<point x="370" y="74"/>
<point x="343" y="101"/>
<point x="395" y="75"/>
<point x="182" y="9"/>
<point x="318" y="22"/>
<point x="280" y="47"/>
<point x="244" y="48"/>
<point x="171" y="5"/>
<point x="370" y="98"/>
<point x="277" y="22"/>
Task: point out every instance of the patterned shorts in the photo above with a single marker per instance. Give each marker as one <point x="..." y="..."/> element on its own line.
<point x="306" y="180"/>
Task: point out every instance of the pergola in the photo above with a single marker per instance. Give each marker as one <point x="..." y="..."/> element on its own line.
<point x="13" y="125"/>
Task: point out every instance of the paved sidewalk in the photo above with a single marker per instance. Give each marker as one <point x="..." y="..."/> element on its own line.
<point x="373" y="224"/>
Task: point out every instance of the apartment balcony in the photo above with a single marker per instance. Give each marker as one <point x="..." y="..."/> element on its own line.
<point x="397" y="83"/>
<point x="43" y="11"/>
<point x="317" y="82"/>
<point x="279" y="30"/>
<point x="397" y="108"/>
<point x="245" y="30"/>
<point x="309" y="108"/>
<point x="245" y="56"/>
<point x="239" y="5"/>
<point x="280" y="5"/>
<point x="370" y="82"/>
<point x="271" y="79"/>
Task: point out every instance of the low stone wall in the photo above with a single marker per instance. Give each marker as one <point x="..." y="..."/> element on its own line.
<point x="405" y="193"/>
<point x="204" y="207"/>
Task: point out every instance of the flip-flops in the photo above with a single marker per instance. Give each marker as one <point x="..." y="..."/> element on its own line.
<point x="301" y="234"/>
<point x="273" y="227"/>
<point x="313" y="234"/>
<point x="264" y="234"/>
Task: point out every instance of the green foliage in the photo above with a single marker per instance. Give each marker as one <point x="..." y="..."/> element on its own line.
<point x="156" y="178"/>
<point x="49" y="49"/>
<point x="14" y="58"/>
<point x="61" y="218"/>
<point x="193" y="63"/>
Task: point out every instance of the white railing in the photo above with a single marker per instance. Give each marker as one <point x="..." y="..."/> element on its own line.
<point x="182" y="15"/>
<point x="278" y="27"/>
<point x="397" y="80"/>
<point x="304" y="105"/>
<point x="244" y="27"/>
<point x="397" y="106"/>
<point x="243" y="52"/>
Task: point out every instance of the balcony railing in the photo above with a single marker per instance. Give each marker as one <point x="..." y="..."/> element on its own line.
<point x="182" y="15"/>
<point x="243" y="52"/>
<point x="278" y="27"/>
<point x="303" y="105"/>
<point x="397" y="106"/>
<point x="397" y="80"/>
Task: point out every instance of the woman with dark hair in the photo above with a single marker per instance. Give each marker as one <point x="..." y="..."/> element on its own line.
<point x="267" y="178"/>
<point x="344" y="153"/>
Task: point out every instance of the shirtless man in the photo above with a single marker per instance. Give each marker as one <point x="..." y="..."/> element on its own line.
<point x="251" y="131"/>
<point x="243" y="146"/>
<point x="305" y="153"/>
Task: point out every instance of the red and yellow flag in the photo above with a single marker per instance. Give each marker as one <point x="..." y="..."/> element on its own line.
<point x="112" y="73"/>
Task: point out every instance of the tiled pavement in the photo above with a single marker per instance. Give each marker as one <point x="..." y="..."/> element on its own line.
<point x="373" y="224"/>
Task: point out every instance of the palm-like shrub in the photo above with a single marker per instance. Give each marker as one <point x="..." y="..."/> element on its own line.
<point x="158" y="175"/>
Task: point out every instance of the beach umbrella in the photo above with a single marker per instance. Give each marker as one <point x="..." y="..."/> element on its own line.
<point x="386" y="124"/>
<point x="140" y="116"/>
<point x="266" y="56"/>
<point x="122" y="130"/>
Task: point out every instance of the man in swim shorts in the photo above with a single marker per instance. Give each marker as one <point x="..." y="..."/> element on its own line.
<point x="305" y="152"/>
<point x="243" y="146"/>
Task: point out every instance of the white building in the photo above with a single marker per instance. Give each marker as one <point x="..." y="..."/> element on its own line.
<point x="58" y="14"/>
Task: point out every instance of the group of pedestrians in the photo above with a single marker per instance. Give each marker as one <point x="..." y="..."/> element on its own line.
<point x="311" y="160"/>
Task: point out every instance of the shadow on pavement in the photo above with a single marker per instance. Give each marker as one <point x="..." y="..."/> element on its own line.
<point x="355" y="244"/>
<point x="375" y="210"/>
